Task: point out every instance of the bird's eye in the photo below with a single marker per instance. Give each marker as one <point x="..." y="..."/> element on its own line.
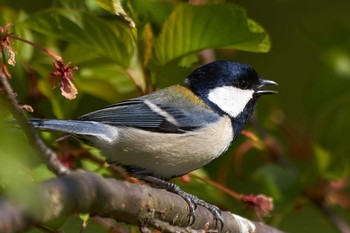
<point x="243" y="84"/>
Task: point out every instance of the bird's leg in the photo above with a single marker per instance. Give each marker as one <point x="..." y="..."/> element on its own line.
<point x="171" y="187"/>
<point x="191" y="200"/>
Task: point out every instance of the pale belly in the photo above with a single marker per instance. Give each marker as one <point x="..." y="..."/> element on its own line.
<point x="170" y="155"/>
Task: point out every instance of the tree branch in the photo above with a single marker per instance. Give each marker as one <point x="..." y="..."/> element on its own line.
<point x="86" y="192"/>
<point x="47" y="155"/>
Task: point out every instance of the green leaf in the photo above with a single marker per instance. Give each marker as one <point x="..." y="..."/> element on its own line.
<point x="144" y="11"/>
<point x="23" y="51"/>
<point x="84" y="217"/>
<point x="330" y="166"/>
<point x="60" y="106"/>
<point x="277" y="182"/>
<point x="170" y="74"/>
<point x="105" y="81"/>
<point x="115" y="7"/>
<point x="193" y="28"/>
<point x="41" y="173"/>
<point x="114" y="41"/>
<point x="322" y="158"/>
<point x="69" y="4"/>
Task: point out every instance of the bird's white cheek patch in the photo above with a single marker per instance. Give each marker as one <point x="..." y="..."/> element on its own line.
<point x="230" y="99"/>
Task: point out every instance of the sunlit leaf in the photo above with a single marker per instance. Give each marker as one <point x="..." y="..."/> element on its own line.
<point x="323" y="158"/>
<point x="106" y="82"/>
<point x="115" y="7"/>
<point x="194" y="28"/>
<point x="41" y="173"/>
<point x="114" y="41"/>
<point x="84" y="217"/>
<point x="8" y="15"/>
<point x="147" y="40"/>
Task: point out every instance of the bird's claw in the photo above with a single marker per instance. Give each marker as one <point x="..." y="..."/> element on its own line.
<point x="192" y="201"/>
<point x="192" y="208"/>
<point x="212" y="208"/>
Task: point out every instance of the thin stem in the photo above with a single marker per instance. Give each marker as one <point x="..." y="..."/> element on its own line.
<point x="49" y="52"/>
<point x="116" y="170"/>
<point x="219" y="186"/>
<point x="47" y="155"/>
<point x="338" y="222"/>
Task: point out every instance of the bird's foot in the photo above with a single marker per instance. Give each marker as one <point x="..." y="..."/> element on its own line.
<point x="192" y="201"/>
<point x="212" y="208"/>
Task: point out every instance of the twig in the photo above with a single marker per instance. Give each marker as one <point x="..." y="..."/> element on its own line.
<point x="219" y="186"/>
<point x="47" y="155"/>
<point x="115" y="169"/>
<point x="336" y="220"/>
<point x="49" y="52"/>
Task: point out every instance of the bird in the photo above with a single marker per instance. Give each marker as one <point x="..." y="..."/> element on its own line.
<point x="175" y="130"/>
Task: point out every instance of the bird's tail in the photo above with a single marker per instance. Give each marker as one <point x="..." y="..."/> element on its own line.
<point x="77" y="127"/>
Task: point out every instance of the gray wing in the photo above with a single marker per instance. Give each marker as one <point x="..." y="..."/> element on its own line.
<point x="154" y="114"/>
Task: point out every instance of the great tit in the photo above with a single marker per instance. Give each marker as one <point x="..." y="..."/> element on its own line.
<point x="175" y="130"/>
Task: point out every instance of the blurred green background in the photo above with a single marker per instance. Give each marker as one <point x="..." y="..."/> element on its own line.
<point x="301" y="158"/>
<point x="310" y="59"/>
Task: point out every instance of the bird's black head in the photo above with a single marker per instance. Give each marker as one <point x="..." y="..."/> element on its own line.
<point x="230" y="88"/>
<point x="222" y="73"/>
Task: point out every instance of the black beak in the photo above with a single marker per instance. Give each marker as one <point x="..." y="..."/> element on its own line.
<point x="263" y="83"/>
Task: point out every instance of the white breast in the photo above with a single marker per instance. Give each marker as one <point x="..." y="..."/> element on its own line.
<point x="230" y="99"/>
<point x="170" y="154"/>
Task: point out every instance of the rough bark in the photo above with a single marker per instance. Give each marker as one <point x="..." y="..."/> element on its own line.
<point x="86" y="192"/>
